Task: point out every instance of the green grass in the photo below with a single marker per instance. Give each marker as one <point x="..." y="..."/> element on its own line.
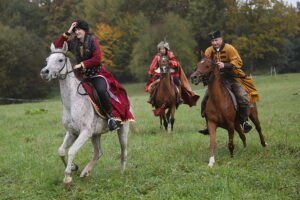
<point x="160" y="166"/>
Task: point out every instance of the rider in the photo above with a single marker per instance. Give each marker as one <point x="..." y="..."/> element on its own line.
<point x="87" y="51"/>
<point x="230" y="63"/>
<point x="164" y="49"/>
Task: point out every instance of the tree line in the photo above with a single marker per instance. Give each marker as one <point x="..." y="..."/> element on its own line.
<point x="265" y="32"/>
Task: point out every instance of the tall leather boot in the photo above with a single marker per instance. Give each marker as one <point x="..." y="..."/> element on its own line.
<point x="107" y="108"/>
<point x="112" y="124"/>
<point x="179" y="99"/>
<point x="203" y="106"/>
<point x="205" y="130"/>
<point x="243" y="114"/>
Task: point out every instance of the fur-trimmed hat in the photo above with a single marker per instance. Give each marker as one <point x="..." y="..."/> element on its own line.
<point x="163" y="44"/>
<point x="214" y="34"/>
<point x="81" y="24"/>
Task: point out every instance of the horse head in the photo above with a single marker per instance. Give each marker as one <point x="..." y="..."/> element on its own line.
<point x="163" y="64"/>
<point x="56" y="63"/>
<point x="204" y="71"/>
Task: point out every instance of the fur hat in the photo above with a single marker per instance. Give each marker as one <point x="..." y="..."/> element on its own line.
<point x="163" y="44"/>
<point x="214" y="34"/>
<point x="81" y="24"/>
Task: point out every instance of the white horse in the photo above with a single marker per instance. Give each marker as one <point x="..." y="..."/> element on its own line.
<point x="79" y="117"/>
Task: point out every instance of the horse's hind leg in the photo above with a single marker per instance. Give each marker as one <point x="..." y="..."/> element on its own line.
<point x="123" y="138"/>
<point x="240" y="131"/>
<point x="165" y="121"/>
<point x="231" y="143"/>
<point x="68" y="141"/>
<point x="254" y="118"/>
<point x="96" y="141"/>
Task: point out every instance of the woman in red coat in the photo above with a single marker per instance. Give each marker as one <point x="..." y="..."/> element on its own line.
<point x="87" y="50"/>
<point x="185" y="93"/>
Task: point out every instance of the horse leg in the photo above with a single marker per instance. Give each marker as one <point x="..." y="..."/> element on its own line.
<point x="68" y="141"/>
<point x="165" y="121"/>
<point x="97" y="154"/>
<point x="123" y="138"/>
<point x="239" y="129"/>
<point x="212" y="133"/>
<point x="160" y="121"/>
<point x="172" y="117"/>
<point x="254" y="118"/>
<point x="231" y="144"/>
<point x="81" y="139"/>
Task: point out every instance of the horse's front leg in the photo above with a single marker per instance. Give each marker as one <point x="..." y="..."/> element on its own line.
<point x="81" y="139"/>
<point x="68" y="141"/>
<point x="96" y="141"/>
<point x="212" y="133"/>
<point x="172" y="117"/>
<point x="123" y="139"/>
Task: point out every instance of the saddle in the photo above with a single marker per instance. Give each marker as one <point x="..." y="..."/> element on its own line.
<point x="153" y="89"/>
<point x="233" y="98"/>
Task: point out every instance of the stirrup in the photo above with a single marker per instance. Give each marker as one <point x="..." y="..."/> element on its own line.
<point x="112" y="124"/>
<point x="247" y="127"/>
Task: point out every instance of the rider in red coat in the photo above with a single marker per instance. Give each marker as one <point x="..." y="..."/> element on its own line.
<point x="184" y="93"/>
<point x="87" y="50"/>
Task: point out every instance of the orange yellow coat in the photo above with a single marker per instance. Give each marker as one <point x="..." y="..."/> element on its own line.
<point x="228" y="54"/>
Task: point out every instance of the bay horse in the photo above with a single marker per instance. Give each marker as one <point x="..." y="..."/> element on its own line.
<point x="79" y="118"/>
<point x="220" y="110"/>
<point x="165" y="97"/>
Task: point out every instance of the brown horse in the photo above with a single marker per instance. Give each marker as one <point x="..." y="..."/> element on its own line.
<point x="220" y="110"/>
<point x="165" y="97"/>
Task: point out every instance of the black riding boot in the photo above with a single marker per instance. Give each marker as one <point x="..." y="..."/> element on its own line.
<point x="177" y="83"/>
<point x="100" y="86"/>
<point x="244" y="118"/>
<point x="203" y="105"/>
<point x="112" y="124"/>
<point x="205" y="130"/>
<point x="179" y="99"/>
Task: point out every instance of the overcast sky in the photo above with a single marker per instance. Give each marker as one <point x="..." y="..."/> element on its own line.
<point x="293" y="2"/>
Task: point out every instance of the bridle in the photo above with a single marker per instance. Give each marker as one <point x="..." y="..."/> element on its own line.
<point x="164" y="65"/>
<point x="207" y="78"/>
<point x="63" y="76"/>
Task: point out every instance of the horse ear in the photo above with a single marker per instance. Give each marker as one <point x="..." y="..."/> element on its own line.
<point x="52" y="47"/>
<point x="65" y="47"/>
<point x="202" y="54"/>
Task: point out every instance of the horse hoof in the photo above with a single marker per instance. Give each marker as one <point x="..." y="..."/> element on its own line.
<point x="211" y="162"/>
<point x="68" y="184"/>
<point x="84" y="174"/>
<point x="264" y="144"/>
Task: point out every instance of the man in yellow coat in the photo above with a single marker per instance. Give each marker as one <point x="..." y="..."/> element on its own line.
<point x="230" y="63"/>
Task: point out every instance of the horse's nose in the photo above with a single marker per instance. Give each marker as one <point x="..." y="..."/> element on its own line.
<point x="194" y="79"/>
<point x="44" y="73"/>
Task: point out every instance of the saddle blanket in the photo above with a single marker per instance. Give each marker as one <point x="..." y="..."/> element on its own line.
<point x="118" y="97"/>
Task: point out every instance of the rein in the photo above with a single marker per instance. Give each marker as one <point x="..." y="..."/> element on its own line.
<point x="63" y="76"/>
<point x="205" y="78"/>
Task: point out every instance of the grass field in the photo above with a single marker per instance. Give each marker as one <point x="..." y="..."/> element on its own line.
<point x="160" y="166"/>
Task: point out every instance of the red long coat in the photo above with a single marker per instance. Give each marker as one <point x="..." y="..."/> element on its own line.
<point x="118" y="96"/>
<point x="189" y="97"/>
